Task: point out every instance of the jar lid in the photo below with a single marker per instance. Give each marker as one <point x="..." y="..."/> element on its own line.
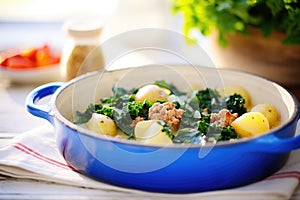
<point x="83" y="27"/>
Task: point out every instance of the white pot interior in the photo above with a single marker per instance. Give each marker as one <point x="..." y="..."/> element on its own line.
<point x="90" y="88"/>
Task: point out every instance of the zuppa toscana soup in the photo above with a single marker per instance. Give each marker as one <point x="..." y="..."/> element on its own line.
<point x="159" y="114"/>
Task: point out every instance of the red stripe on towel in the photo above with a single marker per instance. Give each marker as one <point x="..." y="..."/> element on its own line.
<point x="32" y="152"/>
<point x="291" y="174"/>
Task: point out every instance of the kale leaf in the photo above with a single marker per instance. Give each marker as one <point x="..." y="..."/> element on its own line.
<point x="205" y="131"/>
<point x="235" y="104"/>
<point x="123" y="120"/>
<point x="209" y="99"/>
<point x="188" y="119"/>
<point x="83" y="117"/>
<point x="139" y="109"/>
<point x="171" y="87"/>
<point x="227" y="133"/>
<point x="188" y="136"/>
<point x="130" y="110"/>
<point x="167" y="129"/>
<point x="220" y="133"/>
<point x="120" y="95"/>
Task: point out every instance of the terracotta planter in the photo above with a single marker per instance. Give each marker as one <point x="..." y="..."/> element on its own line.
<point x="265" y="57"/>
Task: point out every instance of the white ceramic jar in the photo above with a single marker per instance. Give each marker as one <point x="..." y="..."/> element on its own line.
<point x="82" y="52"/>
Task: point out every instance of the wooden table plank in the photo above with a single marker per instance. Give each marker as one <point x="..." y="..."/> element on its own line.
<point x="30" y="189"/>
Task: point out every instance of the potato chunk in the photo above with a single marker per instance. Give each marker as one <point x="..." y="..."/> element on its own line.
<point x="150" y="132"/>
<point x="152" y="93"/>
<point x="102" y="124"/>
<point x="251" y="124"/>
<point x="269" y="111"/>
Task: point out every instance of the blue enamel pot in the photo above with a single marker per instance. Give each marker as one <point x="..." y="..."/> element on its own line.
<point x="173" y="168"/>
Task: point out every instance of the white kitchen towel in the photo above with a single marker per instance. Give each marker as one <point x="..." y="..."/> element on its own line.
<point x="33" y="155"/>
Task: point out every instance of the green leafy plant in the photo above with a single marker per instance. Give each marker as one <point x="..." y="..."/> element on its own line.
<point x="230" y="16"/>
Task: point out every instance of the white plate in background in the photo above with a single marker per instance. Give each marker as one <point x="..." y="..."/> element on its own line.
<point x="37" y="75"/>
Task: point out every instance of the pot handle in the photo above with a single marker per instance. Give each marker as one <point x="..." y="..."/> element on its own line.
<point x="39" y="93"/>
<point x="273" y="144"/>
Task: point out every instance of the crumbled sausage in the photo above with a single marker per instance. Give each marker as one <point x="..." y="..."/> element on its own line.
<point x="135" y="121"/>
<point x="166" y="112"/>
<point x="205" y="111"/>
<point x="223" y="118"/>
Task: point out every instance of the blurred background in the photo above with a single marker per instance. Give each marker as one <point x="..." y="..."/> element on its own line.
<point x="29" y="22"/>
